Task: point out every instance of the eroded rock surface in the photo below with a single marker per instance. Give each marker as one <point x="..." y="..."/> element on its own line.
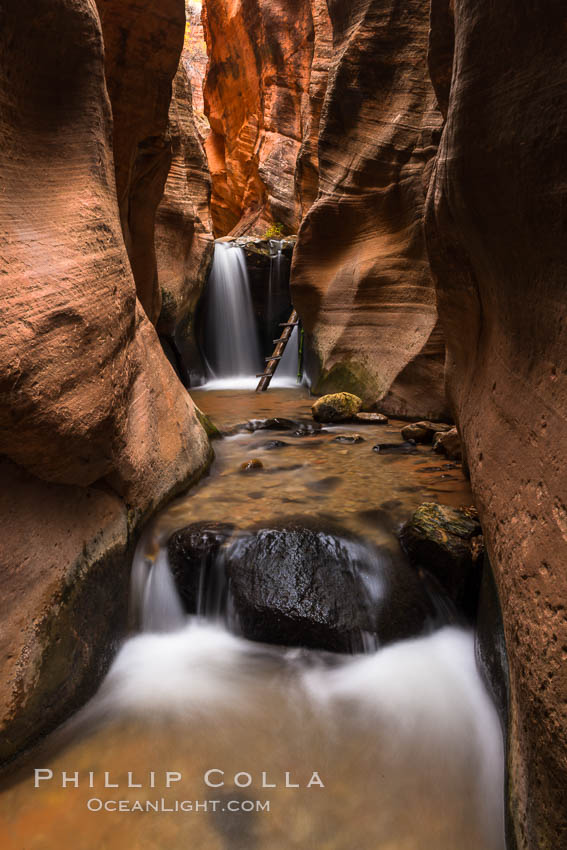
<point x="497" y="231"/>
<point x="263" y="95"/>
<point x="184" y="239"/>
<point x="142" y="48"/>
<point x="361" y="280"/>
<point x="96" y="431"/>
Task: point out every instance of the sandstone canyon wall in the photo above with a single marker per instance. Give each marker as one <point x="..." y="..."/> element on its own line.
<point x="263" y="93"/>
<point x="96" y="431"/>
<point x="142" y="47"/>
<point x="361" y="280"/>
<point x="497" y="231"/>
<point x="184" y="239"/>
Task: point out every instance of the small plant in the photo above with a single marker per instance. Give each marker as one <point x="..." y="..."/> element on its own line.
<point x="274" y="231"/>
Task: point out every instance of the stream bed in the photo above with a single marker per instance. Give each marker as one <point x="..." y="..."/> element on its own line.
<point x="209" y="741"/>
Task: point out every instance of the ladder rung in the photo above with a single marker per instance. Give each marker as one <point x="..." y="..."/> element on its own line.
<point x="279" y="357"/>
<point x="264" y="375"/>
<point x="277" y="341"/>
<point x="288" y="324"/>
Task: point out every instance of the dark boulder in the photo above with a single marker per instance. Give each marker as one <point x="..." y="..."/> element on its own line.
<point x="192" y="554"/>
<point x="276" y="423"/>
<point x="448" y="543"/>
<point x="301" y="586"/>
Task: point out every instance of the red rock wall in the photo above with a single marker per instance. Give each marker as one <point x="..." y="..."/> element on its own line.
<point x="95" y="430"/>
<point x="184" y="239"/>
<point x="497" y="231"/>
<point x="143" y="42"/>
<point x="259" y="91"/>
<point x="360" y="279"/>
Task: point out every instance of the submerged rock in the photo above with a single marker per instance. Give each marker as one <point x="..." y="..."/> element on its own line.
<point x="371" y="418"/>
<point x="424" y="432"/>
<point x="192" y="552"/>
<point x="448" y="444"/>
<point x="337" y="407"/>
<point x="408" y="447"/>
<point x="251" y="465"/>
<point x="349" y="438"/>
<point x="448" y="543"/>
<point x="300" y="586"/>
<point x="274" y="444"/>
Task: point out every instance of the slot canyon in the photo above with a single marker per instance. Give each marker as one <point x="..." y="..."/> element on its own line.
<point x="368" y="561"/>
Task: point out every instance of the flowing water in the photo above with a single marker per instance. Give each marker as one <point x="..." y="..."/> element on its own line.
<point x="397" y="749"/>
<point x="232" y="337"/>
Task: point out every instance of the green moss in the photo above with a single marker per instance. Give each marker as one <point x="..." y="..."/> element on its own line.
<point x="211" y="429"/>
<point x="352" y="377"/>
<point x="274" y="231"/>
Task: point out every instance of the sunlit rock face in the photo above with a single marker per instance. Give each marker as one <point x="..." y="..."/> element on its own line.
<point x="361" y="280"/>
<point x="96" y="431"/>
<point x="195" y="59"/>
<point x="263" y="94"/>
<point x="496" y="231"/>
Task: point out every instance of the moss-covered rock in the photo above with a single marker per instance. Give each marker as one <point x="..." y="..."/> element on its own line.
<point x="447" y="542"/>
<point x="211" y="429"/>
<point x="338" y="407"/>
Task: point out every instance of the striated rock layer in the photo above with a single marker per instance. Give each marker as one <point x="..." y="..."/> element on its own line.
<point x="184" y="239"/>
<point x="95" y="430"/>
<point x="142" y="42"/>
<point x="263" y="94"/>
<point x="361" y="281"/>
<point x="497" y="230"/>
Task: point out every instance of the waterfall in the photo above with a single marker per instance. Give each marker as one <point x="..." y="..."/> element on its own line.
<point x="274" y="281"/>
<point x="233" y="349"/>
<point x="289" y="364"/>
<point x="155" y="601"/>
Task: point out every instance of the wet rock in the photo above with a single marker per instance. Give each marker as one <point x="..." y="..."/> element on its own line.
<point x="337" y="407"/>
<point x="371" y="418"/>
<point x="324" y="485"/>
<point x="405" y="448"/>
<point x="349" y="438"/>
<point x="276" y="423"/>
<point x="305" y="427"/>
<point x="448" y="443"/>
<point x="299" y="586"/>
<point x="448" y="543"/>
<point x="306" y="433"/>
<point x="251" y="465"/>
<point x="192" y="551"/>
<point x="424" y="432"/>
<point x="275" y="444"/>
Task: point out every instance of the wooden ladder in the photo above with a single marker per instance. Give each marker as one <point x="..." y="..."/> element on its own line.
<point x="273" y="362"/>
